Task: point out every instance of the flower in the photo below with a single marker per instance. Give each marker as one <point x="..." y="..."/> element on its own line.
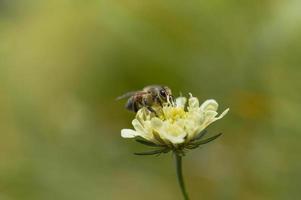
<point x="174" y="124"/>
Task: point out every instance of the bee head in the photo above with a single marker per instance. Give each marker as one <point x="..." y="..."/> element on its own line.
<point x="165" y="93"/>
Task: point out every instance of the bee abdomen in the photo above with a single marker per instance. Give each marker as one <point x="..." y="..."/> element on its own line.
<point x="131" y="105"/>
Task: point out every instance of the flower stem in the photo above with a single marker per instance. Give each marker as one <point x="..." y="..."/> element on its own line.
<point x="178" y="160"/>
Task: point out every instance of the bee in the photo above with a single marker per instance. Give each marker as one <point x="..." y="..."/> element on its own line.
<point x="149" y="96"/>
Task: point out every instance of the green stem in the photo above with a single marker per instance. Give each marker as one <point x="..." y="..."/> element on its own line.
<point x="178" y="159"/>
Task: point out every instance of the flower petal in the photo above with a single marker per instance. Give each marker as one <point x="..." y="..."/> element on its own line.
<point x="209" y="115"/>
<point x="137" y="125"/>
<point x="176" y="140"/>
<point x="210" y="104"/>
<point x="156" y="123"/>
<point x="173" y="132"/>
<point x="223" y="114"/>
<point x="181" y="101"/>
<point x="129" y="133"/>
<point x="193" y="103"/>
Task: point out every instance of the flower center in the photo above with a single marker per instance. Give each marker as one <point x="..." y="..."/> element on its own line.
<point x="173" y="113"/>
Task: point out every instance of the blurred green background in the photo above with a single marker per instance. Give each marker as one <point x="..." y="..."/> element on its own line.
<point x="63" y="63"/>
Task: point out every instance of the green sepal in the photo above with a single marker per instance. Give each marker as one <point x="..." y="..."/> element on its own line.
<point x="194" y="145"/>
<point x="148" y="143"/>
<point x="158" y="151"/>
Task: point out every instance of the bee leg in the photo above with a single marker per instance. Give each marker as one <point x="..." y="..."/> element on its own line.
<point x="151" y="109"/>
<point x="171" y="98"/>
<point x="158" y="100"/>
<point x="146" y="102"/>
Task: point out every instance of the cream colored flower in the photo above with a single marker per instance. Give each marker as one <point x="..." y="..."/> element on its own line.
<point x="174" y="124"/>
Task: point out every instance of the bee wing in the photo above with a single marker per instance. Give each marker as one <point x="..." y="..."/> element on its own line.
<point x="126" y="95"/>
<point x="149" y="87"/>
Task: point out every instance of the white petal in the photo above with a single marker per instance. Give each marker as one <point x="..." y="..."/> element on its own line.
<point x="193" y="103"/>
<point x="190" y="127"/>
<point x="210" y="104"/>
<point x="128" y="133"/>
<point x="210" y="118"/>
<point x="156" y="123"/>
<point x="181" y="101"/>
<point x="180" y="123"/>
<point x="174" y="133"/>
<point x="223" y="114"/>
<point x="137" y="125"/>
<point x="176" y="140"/>
<point x="210" y="114"/>
<point x="142" y="114"/>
